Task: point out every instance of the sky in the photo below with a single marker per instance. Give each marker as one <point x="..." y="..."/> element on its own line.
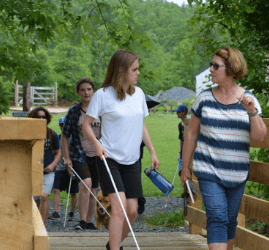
<point x="178" y="2"/>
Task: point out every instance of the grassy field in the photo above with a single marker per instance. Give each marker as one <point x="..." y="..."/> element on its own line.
<point x="164" y="135"/>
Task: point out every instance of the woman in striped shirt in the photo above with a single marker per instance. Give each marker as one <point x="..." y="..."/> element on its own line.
<point x="223" y="120"/>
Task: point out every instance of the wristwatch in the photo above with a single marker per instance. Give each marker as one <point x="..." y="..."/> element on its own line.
<point x="254" y="113"/>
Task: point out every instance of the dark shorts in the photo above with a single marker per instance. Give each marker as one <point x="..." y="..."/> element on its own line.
<point x="87" y="169"/>
<point x="62" y="180"/>
<point x="127" y="178"/>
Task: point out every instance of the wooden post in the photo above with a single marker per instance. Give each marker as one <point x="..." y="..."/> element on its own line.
<point x="56" y="95"/>
<point x="194" y="229"/>
<point x="16" y="93"/>
<point x="21" y="177"/>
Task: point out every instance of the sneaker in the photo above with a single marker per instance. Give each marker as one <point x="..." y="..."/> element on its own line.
<point x="108" y="247"/>
<point x="91" y="226"/>
<point x="70" y="216"/>
<point x="55" y="215"/>
<point x="81" y="226"/>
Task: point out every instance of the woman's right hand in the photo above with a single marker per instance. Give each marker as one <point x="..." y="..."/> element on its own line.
<point x="185" y="175"/>
<point x="100" y="151"/>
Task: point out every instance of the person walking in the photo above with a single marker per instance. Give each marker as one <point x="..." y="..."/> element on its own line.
<point x="80" y="153"/>
<point x="122" y="108"/>
<point x="52" y="155"/>
<point x="182" y="111"/>
<point x="62" y="181"/>
<point x="224" y="119"/>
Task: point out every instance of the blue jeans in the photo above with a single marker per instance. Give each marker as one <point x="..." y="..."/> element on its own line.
<point x="222" y="206"/>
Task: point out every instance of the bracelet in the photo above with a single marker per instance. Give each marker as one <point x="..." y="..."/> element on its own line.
<point x="253" y="114"/>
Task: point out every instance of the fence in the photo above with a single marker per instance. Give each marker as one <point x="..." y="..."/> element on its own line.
<point x="253" y="207"/>
<point x="37" y="95"/>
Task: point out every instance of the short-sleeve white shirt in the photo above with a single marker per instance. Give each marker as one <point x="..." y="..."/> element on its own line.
<point x="122" y="123"/>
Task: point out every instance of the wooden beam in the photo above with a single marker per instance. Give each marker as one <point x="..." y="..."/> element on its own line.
<point x="41" y="238"/>
<point x="259" y="172"/>
<point x="37" y="167"/>
<point x="197" y="217"/>
<point x="249" y="240"/>
<point x="255" y="208"/>
<point x="13" y="128"/>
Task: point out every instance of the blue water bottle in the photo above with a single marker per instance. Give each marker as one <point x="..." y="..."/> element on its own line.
<point x="164" y="185"/>
<point x="179" y="166"/>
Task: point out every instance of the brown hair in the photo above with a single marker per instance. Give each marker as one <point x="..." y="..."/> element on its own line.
<point x="84" y="80"/>
<point x="117" y="71"/>
<point x="234" y="61"/>
<point x="33" y="113"/>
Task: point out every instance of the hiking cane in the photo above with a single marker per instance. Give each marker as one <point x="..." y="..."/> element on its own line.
<point x="67" y="199"/>
<point x="170" y="193"/>
<point x="89" y="190"/>
<point x="111" y="178"/>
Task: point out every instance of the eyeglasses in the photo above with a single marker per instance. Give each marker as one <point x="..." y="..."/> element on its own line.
<point x="42" y="116"/>
<point x="216" y="66"/>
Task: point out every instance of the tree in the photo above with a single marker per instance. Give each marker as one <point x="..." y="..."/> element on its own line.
<point x="243" y="24"/>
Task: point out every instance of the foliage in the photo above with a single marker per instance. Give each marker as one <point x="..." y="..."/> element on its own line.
<point x="239" y="23"/>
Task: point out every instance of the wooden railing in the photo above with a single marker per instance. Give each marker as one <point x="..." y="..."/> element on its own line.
<point x="253" y="207"/>
<point x="21" y="177"/>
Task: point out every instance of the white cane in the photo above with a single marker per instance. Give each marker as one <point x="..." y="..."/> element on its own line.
<point x="89" y="190"/>
<point x="111" y="178"/>
<point x="170" y="193"/>
<point x="67" y="199"/>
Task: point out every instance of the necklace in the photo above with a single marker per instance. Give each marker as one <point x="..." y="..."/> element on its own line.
<point x="82" y="110"/>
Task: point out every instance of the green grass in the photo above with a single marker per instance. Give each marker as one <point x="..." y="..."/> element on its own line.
<point x="173" y="219"/>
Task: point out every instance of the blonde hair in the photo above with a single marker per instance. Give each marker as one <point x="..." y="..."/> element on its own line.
<point x="234" y="61"/>
<point x="117" y="72"/>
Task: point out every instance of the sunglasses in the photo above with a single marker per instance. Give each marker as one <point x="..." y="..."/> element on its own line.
<point x="215" y="65"/>
<point x="42" y="116"/>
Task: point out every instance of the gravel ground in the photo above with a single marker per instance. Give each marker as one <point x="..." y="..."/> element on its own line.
<point x="153" y="204"/>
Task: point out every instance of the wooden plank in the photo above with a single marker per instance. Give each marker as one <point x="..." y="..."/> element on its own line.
<point x="259" y="172"/>
<point x="45" y="93"/>
<point x="255" y="208"/>
<point x="37" y="167"/>
<point x="16" y="230"/>
<point x="43" y="88"/>
<point x="41" y="239"/>
<point x="173" y="241"/>
<point x="12" y="128"/>
<point x="197" y="217"/>
<point x="249" y="240"/>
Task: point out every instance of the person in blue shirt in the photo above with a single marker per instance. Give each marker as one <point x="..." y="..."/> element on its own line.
<point x="52" y="155"/>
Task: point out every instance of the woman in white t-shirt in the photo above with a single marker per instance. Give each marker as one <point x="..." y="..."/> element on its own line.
<point x="122" y="108"/>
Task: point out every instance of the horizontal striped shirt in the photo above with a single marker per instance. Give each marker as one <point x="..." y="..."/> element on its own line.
<point x="222" y="152"/>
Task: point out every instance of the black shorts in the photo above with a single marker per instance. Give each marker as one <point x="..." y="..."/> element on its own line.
<point x="87" y="169"/>
<point x="62" y="180"/>
<point x="127" y="178"/>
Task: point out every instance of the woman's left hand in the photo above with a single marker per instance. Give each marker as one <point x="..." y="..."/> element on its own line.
<point x="248" y="103"/>
<point x="154" y="162"/>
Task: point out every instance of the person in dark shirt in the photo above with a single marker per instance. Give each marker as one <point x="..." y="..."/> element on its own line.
<point x="182" y="111"/>
<point x="52" y="155"/>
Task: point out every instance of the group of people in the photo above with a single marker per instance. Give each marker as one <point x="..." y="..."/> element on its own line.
<point x="110" y="123"/>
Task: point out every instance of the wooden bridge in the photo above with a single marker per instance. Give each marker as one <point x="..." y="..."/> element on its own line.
<point x="146" y="241"/>
<point x="21" y="171"/>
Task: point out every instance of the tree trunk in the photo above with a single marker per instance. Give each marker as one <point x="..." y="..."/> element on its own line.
<point x="26" y="95"/>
